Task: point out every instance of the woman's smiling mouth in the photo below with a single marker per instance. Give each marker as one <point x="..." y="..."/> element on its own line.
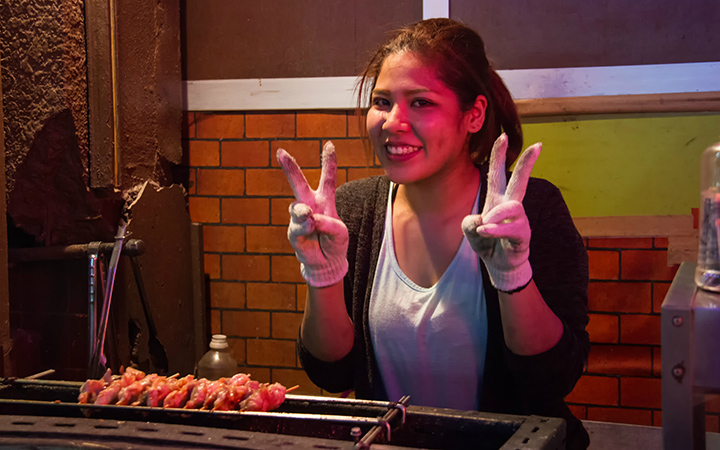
<point x="401" y="149"/>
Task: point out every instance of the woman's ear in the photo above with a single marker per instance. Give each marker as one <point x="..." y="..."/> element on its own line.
<point x="476" y="114"/>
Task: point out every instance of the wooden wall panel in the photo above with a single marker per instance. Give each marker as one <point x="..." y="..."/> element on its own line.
<point x="230" y="39"/>
<point x="570" y="33"/>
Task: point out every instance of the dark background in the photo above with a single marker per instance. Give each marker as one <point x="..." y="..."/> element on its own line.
<point x="230" y="39"/>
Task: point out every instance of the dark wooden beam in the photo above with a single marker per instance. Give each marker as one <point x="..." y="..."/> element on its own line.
<point x="100" y="94"/>
<point x="4" y="282"/>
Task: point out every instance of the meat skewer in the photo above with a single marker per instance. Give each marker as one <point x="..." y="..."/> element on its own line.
<point x="134" y="387"/>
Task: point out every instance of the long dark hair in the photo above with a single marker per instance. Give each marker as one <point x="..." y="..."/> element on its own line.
<point x="457" y="53"/>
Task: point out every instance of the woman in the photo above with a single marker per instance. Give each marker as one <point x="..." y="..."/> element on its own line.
<point x="412" y="287"/>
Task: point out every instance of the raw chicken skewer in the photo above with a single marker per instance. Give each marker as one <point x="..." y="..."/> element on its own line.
<point x="135" y="388"/>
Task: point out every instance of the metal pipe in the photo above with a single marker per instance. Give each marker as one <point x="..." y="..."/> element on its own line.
<point x="93" y="251"/>
<point x="133" y="247"/>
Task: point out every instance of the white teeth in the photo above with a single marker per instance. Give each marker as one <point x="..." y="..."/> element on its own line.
<point x="401" y="150"/>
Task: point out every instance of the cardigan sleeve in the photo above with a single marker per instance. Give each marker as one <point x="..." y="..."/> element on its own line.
<point x="560" y="270"/>
<point x="356" y="206"/>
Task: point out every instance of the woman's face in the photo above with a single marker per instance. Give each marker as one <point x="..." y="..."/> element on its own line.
<point x="415" y="123"/>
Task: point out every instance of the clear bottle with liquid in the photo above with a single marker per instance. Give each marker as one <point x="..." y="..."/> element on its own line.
<point x="707" y="274"/>
<point x="217" y="362"/>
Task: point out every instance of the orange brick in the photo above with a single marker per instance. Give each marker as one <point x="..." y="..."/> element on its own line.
<point x="712" y="403"/>
<point x="657" y="362"/>
<point x="620" y="243"/>
<point x="295" y="377"/>
<point x="219" y="126"/>
<point x="227" y="295"/>
<point x="245" y="153"/>
<point x="661" y="242"/>
<point x="268" y="182"/>
<point x="646" y="265"/>
<point x="286" y="269"/>
<point x="246" y="323"/>
<point x="246" y="210"/>
<point x="279" y="214"/>
<point x="660" y="290"/>
<point x="204" y="153"/>
<point x="619" y="297"/>
<point x="263" y="125"/>
<point x="258" y="373"/>
<point x="302" y="293"/>
<point x="356" y="125"/>
<point x="711" y="423"/>
<point x="286" y="325"/>
<point x="357" y="174"/>
<point x="306" y="153"/>
<point x="212" y="265"/>
<point x="604" y="265"/>
<point x="620" y="360"/>
<point x="187" y="129"/>
<point x="204" y="209"/>
<point x="657" y="418"/>
<point x="578" y="411"/>
<point x="273" y="296"/>
<point x="325" y="125"/>
<point x="223" y="238"/>
<point x="640" y="392"/>
<point x="268" y="240"/>
<point x="220" y="182"/>
<point x="640" y="329"/>
<point x="603" y="328"/>
<point x="595" y="390"/>
<point x="246" y="267"/>
<point x="215" y="322"/>
<point x="270" y="352"/>
<point x="621" y="415"/>
<point x="353" y="153"/>
<point x="192" y="182"/>
<point x="237" y="350"/>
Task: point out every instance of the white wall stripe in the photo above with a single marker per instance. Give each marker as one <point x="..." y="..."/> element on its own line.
<point x="339" y="92"/>
<point x="436" y="8"/>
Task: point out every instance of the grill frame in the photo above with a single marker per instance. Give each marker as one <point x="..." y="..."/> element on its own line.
<point x="433" y="428"/>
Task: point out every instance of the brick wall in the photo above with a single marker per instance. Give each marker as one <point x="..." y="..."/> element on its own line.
<point x="237" y="190"/>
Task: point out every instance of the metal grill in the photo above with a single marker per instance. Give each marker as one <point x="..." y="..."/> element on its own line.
<point x="46" y="413"/>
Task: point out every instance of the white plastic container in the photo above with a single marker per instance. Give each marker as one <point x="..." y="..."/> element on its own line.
<point x="707" y="274"/>
<point x="217" y="362"/>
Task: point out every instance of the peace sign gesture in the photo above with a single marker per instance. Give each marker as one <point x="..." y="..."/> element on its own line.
<point x="319" y="237"/>
<point x="501" y="234"/>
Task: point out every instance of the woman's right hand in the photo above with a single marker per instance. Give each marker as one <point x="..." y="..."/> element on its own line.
<point x="319" y="237"/>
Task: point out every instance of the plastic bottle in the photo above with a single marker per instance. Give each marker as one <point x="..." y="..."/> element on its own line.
<point x="217" y="362"/>
<point x="707" y="273"/>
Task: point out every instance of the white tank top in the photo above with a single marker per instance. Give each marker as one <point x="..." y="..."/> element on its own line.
<point x="429" y="343"/>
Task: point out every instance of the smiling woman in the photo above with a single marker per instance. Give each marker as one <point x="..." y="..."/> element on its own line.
<point x="413" y="288"/>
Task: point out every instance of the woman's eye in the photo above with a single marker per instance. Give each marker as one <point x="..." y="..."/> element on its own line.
<point x="421" y="102"/>
<point x="380" y="102"/>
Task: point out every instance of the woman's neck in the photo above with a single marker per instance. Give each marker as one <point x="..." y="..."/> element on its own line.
<point x="442" y="195"/>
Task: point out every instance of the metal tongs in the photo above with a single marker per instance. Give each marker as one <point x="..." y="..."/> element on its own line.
<point x="98" y="361"/>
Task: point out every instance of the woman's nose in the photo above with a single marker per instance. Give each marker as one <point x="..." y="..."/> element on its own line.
<point x="396" y="120"/>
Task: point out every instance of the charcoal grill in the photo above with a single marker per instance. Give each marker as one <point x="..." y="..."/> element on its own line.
<point x="45" y="414"/>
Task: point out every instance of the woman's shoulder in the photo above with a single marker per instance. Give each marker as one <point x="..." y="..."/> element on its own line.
<point x="540" y="189"/>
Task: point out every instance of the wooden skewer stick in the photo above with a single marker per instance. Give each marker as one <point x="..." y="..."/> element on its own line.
<point x="292" y="388"/>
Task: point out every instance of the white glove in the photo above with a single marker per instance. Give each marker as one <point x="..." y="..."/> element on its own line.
<point x="319" y="237"/>
<point x="501" y="234"/>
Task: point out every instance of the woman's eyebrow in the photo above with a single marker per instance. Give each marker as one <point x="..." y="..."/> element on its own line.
<point x="406" y="92"/>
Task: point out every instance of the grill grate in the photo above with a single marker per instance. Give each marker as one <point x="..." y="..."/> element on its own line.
<point x="302" y="422"/>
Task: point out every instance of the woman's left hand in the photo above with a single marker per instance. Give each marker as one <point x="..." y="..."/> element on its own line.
<point x="501" y="234"/>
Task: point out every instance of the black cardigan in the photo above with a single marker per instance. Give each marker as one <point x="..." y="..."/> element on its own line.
<point x="512" y="384"/>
